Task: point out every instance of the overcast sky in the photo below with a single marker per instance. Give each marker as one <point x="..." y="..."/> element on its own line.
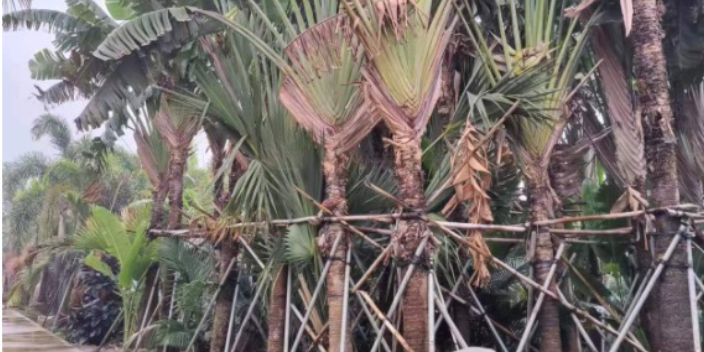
<point x="20" y="107"/>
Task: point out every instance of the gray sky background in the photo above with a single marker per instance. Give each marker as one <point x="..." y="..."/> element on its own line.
<point x="20" y="107"/>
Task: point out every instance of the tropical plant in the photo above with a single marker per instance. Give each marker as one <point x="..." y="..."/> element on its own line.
<point x="125" y="239"/>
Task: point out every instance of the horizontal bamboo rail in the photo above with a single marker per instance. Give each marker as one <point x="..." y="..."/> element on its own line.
<point x="515" y="228"/>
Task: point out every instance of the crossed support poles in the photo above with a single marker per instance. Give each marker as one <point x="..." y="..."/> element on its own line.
<point x="360" y="306"/>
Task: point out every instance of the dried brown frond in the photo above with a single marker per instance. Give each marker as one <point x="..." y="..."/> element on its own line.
<point x="472" y="180"/>
<point x="93" y="192"/>
<point x="215" y="229"/>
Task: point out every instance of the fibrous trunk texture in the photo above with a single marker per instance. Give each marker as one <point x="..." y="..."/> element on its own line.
<point x="149" y="302"/>
<point x="277" y="312"/>
<point x="177" y="168"/>
<point x="158" y="199"/>
<point x="666" y="314"/>
<point x="223" y="305"/>
<point x="226" y="253"/>
<point x="408" y="236"/>
<point x="335" y="170"/>
<point x="540" y="209"/>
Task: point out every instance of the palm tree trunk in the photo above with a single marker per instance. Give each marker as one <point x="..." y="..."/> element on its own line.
<point x="227" y="252"/>
<point x="223" y="304"/>
<point x="151" y="280"/>
<point x="666" y="314"/>
<point x="177" y="169"/>
<point x="277" y="309"/>
<point x="409" y="235"/>
<point x="540" y="208"/>
<point x="335" y="170"/>
<point x="158" y="199"/>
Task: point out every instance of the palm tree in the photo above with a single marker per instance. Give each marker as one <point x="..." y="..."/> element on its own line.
<point x="324" y="98"/>
<point x="405" y="43"/>
<point x="553" y="46"/>
<point x="668" y="320"/>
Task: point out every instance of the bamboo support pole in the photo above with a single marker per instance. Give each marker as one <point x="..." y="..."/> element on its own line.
<point x="380" y="258"/>
<point x="206" y="313"/>
<point x="231" y="323"/>
<point x="390" y="217"/>
<point x="401" y="290"/>
<point x="639" y="292"/>
<point x="346" y="298"/>
<point x="431" y="311"/>
<point x="534" y="284"/>
<point x="583" y="333"/>
<point x="365" y="309"/>
<point x="247" y="316"/>
<point x="446" y="315"/>
<point x="604" y="303"/>
<point x="452" y="293"/>
<point x="630" y="319"/>
<point x="309" y="330"/>
<point x="251" y="252"/>
<point x="571" y="233"/>
<point x="539" y="301"/>
<point x="564" y="220"/>
<point x="287" y="314"/>
<point x="475" y="309"/>
<point x="488" y="320"/>
<point x="316" y="292"/>
<point x="386" y="321"/>
<point x="693" y="297"/>
<point x="69" y="287"/>
<point x="371" y="319"/>
<point x="149" y="306"/>
<point x="478" y="306"/>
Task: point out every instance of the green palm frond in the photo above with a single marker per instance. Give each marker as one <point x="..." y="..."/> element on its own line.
<point x="190" y="263"/>
<point x="66" y="171"/>
<point x="300" y="245"/>
<point x="104" y="232"/>
<point x="548" y="46"/>
<point x="404" y="57"/>
<point x="362" y="199"/>
<point x="15" y="174"/>
<point x="152" y="150"/>
<point x="324" y="94"/>
<point x="55" y="127"/>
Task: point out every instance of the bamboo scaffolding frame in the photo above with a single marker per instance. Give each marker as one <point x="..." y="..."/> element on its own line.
<point x="401" y="290"/>
<point x="638" y="304"/>
<point x="534" y="284"/>
<point x="386" y="322"/>
<point x="447" y="227"/>
<point x="316" y="292"/>
<point x="538" y="303"/>
<point x="693" y="297"/>
<point x="445" y="314"/>
<point x="231" y="323"/>
<point x="309" y="329"/>
<point x="206" y="313"/>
